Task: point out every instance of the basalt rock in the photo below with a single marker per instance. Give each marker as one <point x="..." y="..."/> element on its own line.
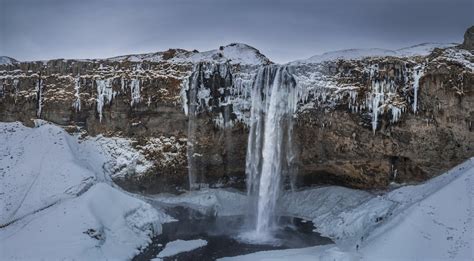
<point x="469" y="39"/>
<point x="360" y="123"/>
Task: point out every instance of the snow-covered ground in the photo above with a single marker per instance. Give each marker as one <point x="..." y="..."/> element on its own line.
<point x="57" y="202"/>
<point x="431" y="221"/>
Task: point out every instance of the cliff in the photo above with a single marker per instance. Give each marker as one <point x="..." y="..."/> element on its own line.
<point x="363" y="118"/>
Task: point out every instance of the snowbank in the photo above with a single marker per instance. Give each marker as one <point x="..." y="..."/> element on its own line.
<point x="439" y="226"/>
<point x="38" y="168"/>
<point x="320" y="253"/>
<point x="102" y="223"/>
<point x="57" y="202"/>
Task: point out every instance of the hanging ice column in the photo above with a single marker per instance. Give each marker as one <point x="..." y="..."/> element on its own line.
<point x="39" y="97"/>
<point x="417" y="74"/>
<point x="270" y="146"/>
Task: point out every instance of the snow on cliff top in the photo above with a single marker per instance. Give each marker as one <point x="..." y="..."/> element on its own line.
<point x="7" y="60"/>
<point x="357" y="54"/>
<point x="235" y="53"/>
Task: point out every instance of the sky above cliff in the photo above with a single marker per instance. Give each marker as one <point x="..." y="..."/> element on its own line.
<point x="282" y="30"/>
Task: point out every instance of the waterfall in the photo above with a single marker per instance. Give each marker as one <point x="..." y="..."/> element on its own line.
<point x="270" y="152"/>
<point x="192" y="110"/>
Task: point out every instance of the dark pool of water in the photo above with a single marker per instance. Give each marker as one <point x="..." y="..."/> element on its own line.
<point x="221" y="234"/>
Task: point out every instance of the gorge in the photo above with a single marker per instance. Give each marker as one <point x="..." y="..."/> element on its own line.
<point x="345" y="140"/>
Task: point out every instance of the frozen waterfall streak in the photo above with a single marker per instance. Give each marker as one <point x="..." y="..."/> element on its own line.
<point x="193" y="85"/>
<point x="39" y="96"/>
<point x="270" y="151"/>
<point x="417" y="74"/>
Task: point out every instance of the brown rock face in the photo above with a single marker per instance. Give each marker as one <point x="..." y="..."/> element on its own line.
<point x="341" y="138"/>
<point x="469" y="39"/>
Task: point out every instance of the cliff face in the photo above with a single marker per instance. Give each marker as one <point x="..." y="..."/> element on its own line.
<point x="362" y="120"/>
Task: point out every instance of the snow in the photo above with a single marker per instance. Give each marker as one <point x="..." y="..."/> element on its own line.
<point x="103" y="223"/>
<point x="358" y="54"/>
<point x="430" y="221"/>
<point x="58" y="203"/>
<point x="440" y="226"/>
<point x="235" y="53"/>
<point x="38" y="168"/>
<point x="179" y="246"/>
<point x="220" y="202"/>
<point x="119" y="157"/>
<point x="7" y="60"/>
<point x="316" y="253"/>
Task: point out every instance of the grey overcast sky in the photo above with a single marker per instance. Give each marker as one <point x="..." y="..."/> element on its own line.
<point x="282" y="30"/>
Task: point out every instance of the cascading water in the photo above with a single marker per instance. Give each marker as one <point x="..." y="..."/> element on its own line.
<point x="270" y="152"/>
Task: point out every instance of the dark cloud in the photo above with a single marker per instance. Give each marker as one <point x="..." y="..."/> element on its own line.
<point x="283" y="30"/>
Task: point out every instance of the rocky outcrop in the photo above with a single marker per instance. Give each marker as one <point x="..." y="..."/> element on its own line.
<point x="361" y="121"/>
<point x="469" y="39"/>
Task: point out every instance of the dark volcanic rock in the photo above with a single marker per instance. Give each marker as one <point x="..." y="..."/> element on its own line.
<point x="469" y="39"/>
<point x="340" y="137"/>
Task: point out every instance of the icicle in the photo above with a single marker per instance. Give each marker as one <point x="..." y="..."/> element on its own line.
<point x="123" y="84"/>
<point x="39" y="97"/>
<point x="135" y="92"/>
<point x="417" y="74"/>
<point x="15" y="86"/>
<point x="77" y="86"/>
<point x="105" y="94"/>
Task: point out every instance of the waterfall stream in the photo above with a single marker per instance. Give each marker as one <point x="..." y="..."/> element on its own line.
<point x="270" y="151"/>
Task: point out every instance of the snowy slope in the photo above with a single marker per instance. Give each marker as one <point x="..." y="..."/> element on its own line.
<point x="439" y="226"/>
<point x="357" y="54"/>
<point x="57" y="203"/>
<point x="38" y="168"/>
<point x="236" y="53"/>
